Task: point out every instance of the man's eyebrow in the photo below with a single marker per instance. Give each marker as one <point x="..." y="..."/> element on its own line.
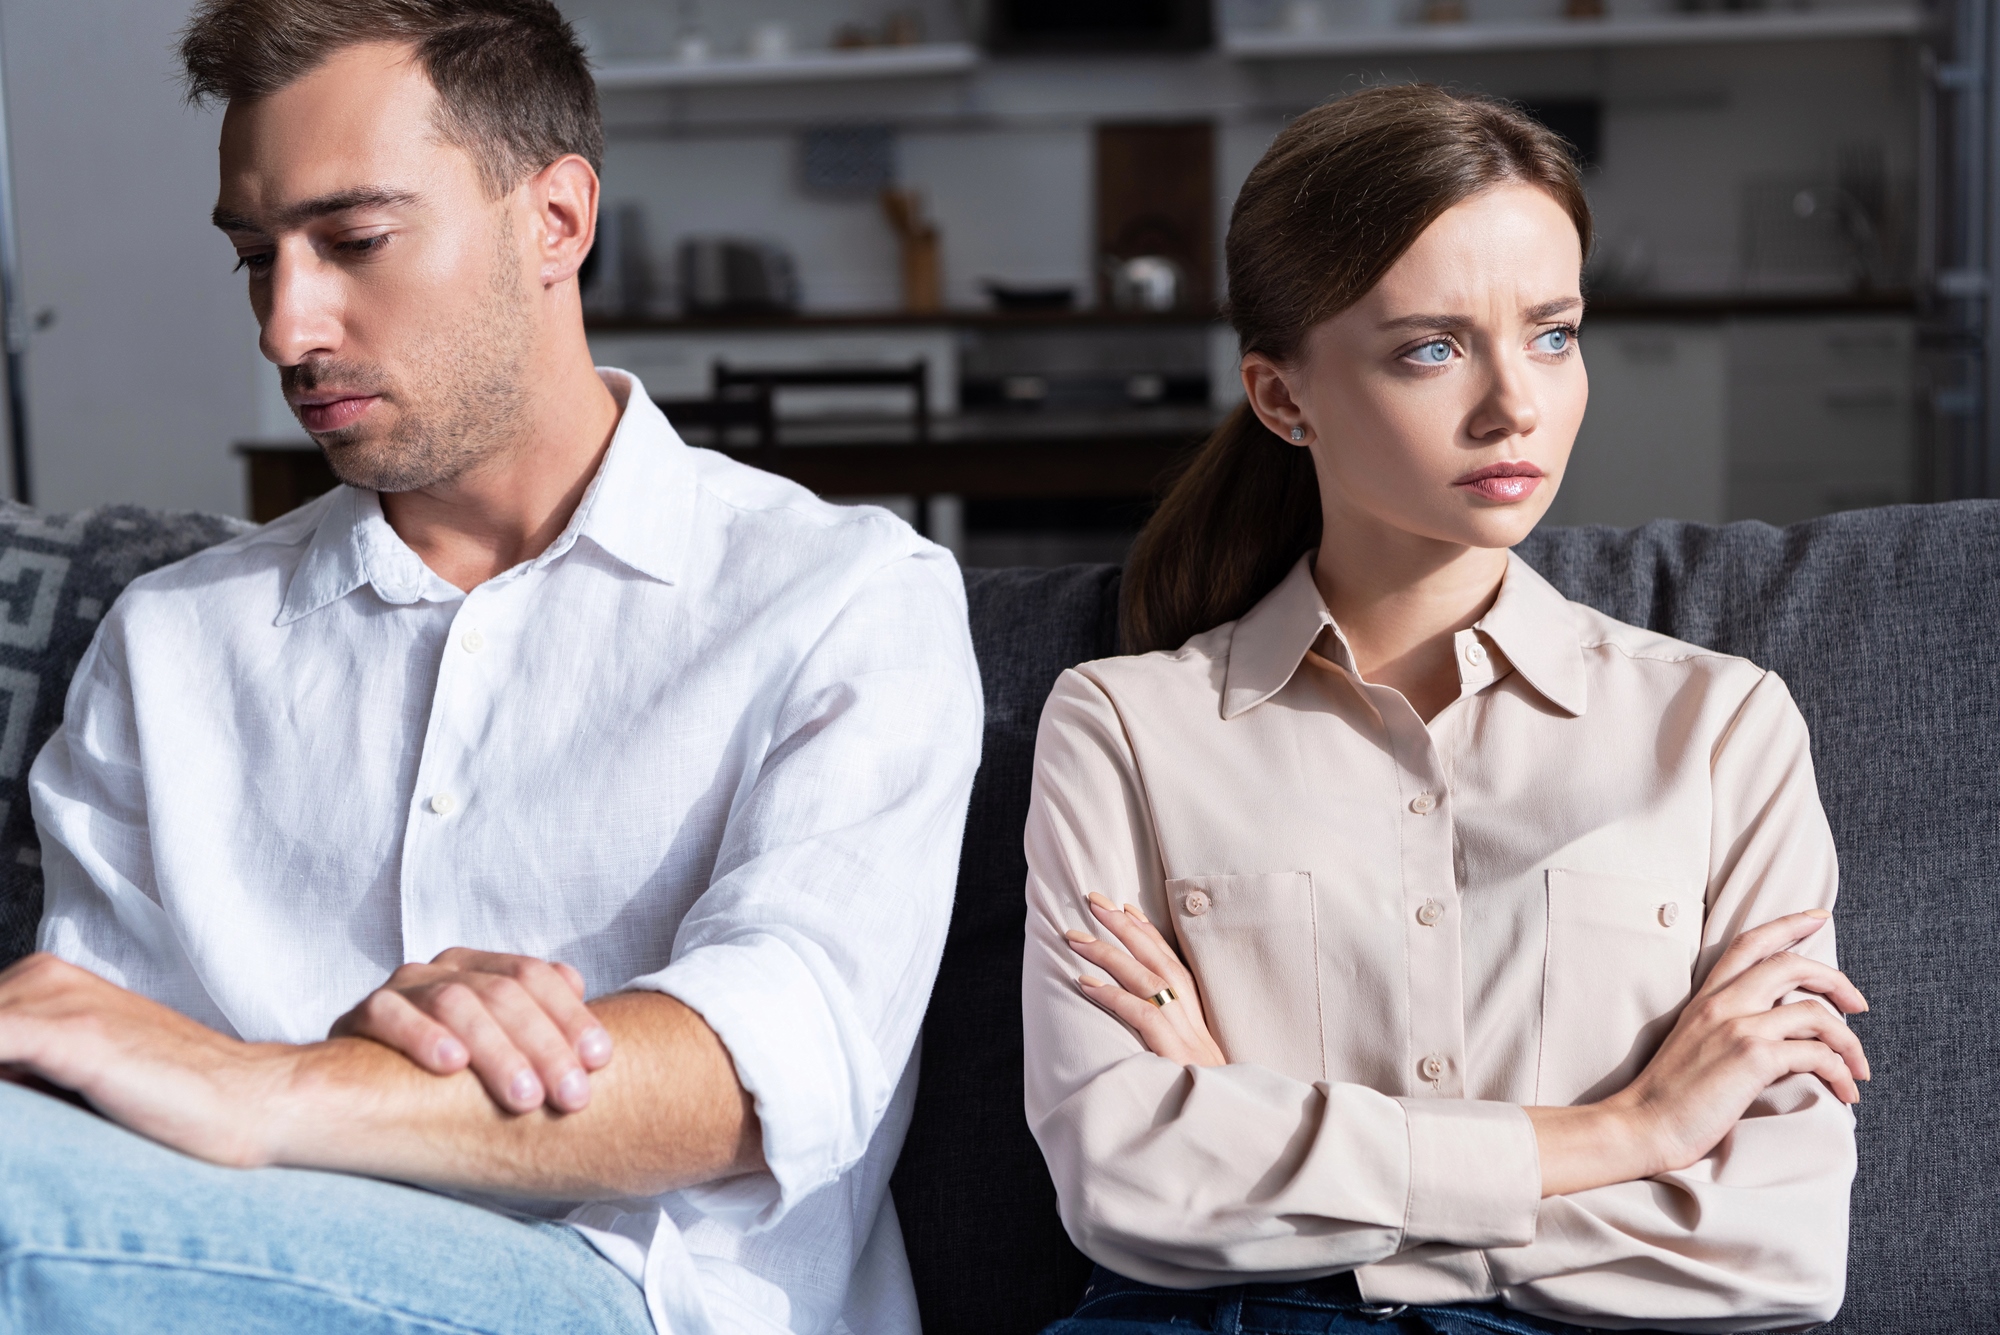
<point x="1533" y="315"/>
<point x="293" y="215"/>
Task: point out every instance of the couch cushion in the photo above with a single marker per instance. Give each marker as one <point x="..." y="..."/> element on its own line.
<point x="57" y="575"/>
<point x="977" y="1207"/>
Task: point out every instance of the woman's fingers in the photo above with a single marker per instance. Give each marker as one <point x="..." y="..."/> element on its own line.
<point x="1138" y="935"/>
<point x="1764" y="983"/>
<point x="1761" y="942"/>
<point x="1807" y="1057"/>
<point x="1115" y="960"/>
<point x="1152" y="1024"/>
<point x="1810" y="1020"/>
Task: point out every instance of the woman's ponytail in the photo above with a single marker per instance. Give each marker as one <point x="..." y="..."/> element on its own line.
<point x="1342" y="192"/>
<point x="1235" y="520"/>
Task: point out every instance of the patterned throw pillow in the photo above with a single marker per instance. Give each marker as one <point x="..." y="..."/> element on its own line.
<point x="58" y="574"/>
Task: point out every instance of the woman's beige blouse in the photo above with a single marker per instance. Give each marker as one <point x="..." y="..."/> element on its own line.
<point x="1403" y="934"/>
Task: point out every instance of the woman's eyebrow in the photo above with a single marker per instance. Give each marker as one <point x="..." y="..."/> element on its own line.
<point x="1420" y="323"/>
<point x="1426" y="322"/>
<point x="1550" y="309"/>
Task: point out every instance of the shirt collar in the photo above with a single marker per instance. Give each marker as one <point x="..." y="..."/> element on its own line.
<point x="637" y="510"/>
<point x="1534" y="626"/>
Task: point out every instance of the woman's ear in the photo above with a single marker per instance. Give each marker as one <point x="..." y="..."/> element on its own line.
<point x="1270" y="395"/>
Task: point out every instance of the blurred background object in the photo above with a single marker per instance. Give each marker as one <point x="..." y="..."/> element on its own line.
<point x="1791" y="296"/>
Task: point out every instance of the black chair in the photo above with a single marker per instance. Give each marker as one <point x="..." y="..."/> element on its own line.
<point x="743" y="408"/>
<point x="914" y="377"/>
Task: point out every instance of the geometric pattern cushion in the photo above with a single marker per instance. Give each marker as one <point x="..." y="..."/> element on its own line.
<point x="58" y="574"/>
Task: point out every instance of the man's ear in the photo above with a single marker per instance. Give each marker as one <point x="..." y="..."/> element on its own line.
<point x="563" y="198"/>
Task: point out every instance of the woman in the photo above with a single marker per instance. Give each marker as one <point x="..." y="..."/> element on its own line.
<point x="1406" y="943"/>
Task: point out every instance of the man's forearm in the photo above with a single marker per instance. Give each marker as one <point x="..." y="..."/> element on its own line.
<point x="666" y="1113"/>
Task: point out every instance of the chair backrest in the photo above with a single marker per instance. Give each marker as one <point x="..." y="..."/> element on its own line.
<point x="745" y="407"/>
<point x="1885" y="624"/>
<point x="915" y="377"/>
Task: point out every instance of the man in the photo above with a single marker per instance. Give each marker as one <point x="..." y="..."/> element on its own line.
<point x="541" y="695"/>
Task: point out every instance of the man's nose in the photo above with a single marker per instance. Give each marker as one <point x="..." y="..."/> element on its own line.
<point x="302" y="309"/>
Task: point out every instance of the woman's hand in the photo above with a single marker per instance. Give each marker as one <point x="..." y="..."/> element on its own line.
<point x="1732" y="1042"/>
<point x="1141" y="965"/>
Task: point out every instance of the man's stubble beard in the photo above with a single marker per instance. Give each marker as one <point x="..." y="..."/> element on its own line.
<point x="460" y="396"/>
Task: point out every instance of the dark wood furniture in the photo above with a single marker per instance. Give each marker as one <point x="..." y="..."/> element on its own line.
<point x="1002" y="455"/>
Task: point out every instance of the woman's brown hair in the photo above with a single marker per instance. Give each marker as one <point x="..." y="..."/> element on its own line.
<point x="1337" y="199"/>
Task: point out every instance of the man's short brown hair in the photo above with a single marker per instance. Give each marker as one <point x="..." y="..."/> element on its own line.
<point x="514" y="89"/>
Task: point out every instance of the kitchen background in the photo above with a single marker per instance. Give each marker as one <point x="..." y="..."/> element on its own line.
<point x="964" y="258"/>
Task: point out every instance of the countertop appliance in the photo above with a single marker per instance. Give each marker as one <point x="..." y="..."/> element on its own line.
<point x="726" y="275"/>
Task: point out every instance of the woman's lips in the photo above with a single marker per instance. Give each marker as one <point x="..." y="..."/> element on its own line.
<point x="333" y="414"/>
<point x="1503" y="482"/>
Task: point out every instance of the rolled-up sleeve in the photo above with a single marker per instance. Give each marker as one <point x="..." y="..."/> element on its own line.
<point x="1754" y="1235"/>
<point x="813" y="950"/>
<point x="1190" y="1177"/>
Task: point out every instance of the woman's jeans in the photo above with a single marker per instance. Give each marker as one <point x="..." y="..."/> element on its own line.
<point x="1114" y="1305"/>
<point x="105" y="1231"/>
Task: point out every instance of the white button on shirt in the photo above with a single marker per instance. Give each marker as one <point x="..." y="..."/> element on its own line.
<point x="718" y="744"/>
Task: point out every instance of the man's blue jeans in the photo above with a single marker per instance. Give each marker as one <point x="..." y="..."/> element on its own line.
<point x="102" y="1230"/>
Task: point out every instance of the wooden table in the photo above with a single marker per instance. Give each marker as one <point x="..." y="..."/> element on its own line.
<point x="1004" y="455"/>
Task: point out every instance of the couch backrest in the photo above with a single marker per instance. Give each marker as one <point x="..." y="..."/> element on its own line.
<point x="58" y="573"/>
<point x="1886" y="625"/>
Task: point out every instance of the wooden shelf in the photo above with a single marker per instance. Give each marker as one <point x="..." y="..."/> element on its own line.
<point x="1704" y="305"/>
<point x="948" y="319"/>
<point x="882" y="62"/>
<point x="1558" y="34"/>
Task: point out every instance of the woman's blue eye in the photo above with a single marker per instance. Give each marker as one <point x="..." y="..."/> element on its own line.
<point x="1435" y="353"/>
<point x="1555" y="340"/>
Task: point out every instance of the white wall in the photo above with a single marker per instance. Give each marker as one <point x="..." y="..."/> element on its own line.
<point x="149" y="371"/>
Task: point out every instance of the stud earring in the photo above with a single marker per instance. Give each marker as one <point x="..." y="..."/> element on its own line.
<point x="1298" y="434"/>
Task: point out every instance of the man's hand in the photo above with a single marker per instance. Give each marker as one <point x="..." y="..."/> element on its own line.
<point x="670" y="1115"/>
<point x="139" y="1063"/>
<point x="519" y="1023"/>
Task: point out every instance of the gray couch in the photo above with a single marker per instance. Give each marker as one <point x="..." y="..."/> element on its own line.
<point x="1886" y="623"/>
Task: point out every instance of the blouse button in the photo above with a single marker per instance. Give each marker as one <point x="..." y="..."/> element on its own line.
<point x="473" y="641"/>
<point x="1196" y="903"/>
<point x="444" y="804"/>
<point x="1669" y="914"/>
<point x="1475" y="654"/>
<point x="1423" y="804"/>
<point x="1429" y="914"/>
<point x="1431" y="1068"/>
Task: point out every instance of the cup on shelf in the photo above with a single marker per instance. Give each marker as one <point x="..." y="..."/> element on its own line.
<point x="1302" y="17"/>
<point x="771" y="41"/>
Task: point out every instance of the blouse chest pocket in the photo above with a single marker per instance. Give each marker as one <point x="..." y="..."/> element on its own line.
<point x="1619" y="967"/>
<point x="1252" y="943"/>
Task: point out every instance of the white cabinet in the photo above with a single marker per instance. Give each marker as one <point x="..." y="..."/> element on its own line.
<point x="1778" y="418"/>
<point x="1652" y="444"/>
<point x="1821" y="415"/>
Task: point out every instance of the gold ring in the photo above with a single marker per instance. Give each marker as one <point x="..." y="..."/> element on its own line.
<point x="1163" y="996"/>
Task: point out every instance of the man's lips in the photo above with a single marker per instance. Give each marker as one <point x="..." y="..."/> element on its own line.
<point x="331" y="412"/>
<point x="1511" y="481"/>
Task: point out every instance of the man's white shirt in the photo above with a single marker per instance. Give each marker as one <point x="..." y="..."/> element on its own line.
<point x="717" y="741"/>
